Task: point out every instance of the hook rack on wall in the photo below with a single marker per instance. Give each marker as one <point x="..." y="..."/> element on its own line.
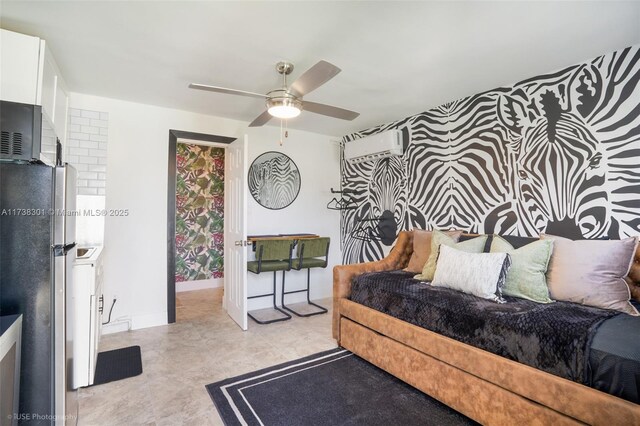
<point x="344" y="203"/>
<point x="381" y="228"/>
<point x="367" y="229"/>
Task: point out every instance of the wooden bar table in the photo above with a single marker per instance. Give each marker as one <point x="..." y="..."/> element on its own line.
<point x="299" y="236"/>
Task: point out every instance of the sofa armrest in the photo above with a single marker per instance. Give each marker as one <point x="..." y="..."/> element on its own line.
<point x="343" y="275"/>
<point x="633" y="279"/>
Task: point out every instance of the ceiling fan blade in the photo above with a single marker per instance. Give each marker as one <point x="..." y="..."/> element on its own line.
<point x="314" y="77"/>
<point x="331" y="111"/>
<point x="226" y="90"/>
<point x="261" y="120"/>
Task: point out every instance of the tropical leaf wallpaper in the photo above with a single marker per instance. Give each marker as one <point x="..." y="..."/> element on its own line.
<point x="199" y="212"/>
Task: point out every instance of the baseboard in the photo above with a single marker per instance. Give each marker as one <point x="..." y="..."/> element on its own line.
<point x="199" y="284"/>
<point x="135" y="323"/>
<point x="115" y="327"/>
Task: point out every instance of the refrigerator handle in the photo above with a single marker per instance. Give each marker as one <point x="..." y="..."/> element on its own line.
<point x="62" y="249"/>
<point x="58" y="152"/>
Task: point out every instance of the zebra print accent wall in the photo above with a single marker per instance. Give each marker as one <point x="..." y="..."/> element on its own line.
<point x="557" y="153"/>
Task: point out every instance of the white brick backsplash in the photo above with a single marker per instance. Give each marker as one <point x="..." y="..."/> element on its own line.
<point x="78" y="135"/>
<point x="99" y="123"/>
<point x="88" y="175"/>
<point x="98" y="138"/>
<point x="87" y="145"/>
<point x="89" y="160"/>
<point x="78" y="151"/>
<point x="87" y="191"/>
<point x="98" y="153"/>
<point x="89" y="129"/>
<point x="80" y="121"/>
<point x="90" y="114"/>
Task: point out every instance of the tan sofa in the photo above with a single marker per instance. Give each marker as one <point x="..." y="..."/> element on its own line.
<point x="485" y="387"/>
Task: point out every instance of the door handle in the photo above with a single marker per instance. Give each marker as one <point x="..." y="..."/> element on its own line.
<point x="241" y="243"/>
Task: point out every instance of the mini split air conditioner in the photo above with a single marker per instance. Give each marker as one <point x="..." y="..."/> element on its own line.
<point x="374" y="147"/>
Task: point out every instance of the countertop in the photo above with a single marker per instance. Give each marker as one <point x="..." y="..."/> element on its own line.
<point x="97" y="251"/>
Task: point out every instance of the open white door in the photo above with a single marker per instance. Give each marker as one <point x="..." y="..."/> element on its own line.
<point x="235" y="238"/>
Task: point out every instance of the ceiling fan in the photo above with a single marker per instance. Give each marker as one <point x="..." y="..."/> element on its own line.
<point x="286" y="102"/>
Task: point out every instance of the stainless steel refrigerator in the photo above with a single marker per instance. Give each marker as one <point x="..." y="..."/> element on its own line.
<point x="37" y="250"/>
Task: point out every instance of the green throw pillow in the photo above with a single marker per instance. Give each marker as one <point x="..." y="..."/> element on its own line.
<point x="475" y="245"/>
<point x="527" y="277"/>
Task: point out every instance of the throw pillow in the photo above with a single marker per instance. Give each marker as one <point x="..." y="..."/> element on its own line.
<point x="591" y="272"/>
<point x="527" y="277"/>
<point x="422" y="248"/>
<point x="475" y="245"/>
<point x="480" y="274"/>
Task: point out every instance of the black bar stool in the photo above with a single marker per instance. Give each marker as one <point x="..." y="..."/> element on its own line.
<point x="310" y="253"/>
<point x="272" y="255"/>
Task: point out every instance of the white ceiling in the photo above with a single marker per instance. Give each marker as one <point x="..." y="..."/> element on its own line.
<point x="397" y="58"/>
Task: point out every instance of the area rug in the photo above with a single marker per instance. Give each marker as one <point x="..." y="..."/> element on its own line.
<point x="334" y="387"/>
<point x="118" y="364"/>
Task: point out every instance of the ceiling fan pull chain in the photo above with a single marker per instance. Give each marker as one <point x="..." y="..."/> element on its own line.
<point x="281" y="132"/>
<point x="286" y="129"/>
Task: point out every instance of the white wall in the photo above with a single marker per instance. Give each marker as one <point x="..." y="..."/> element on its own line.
<point x="135" y="254"/>
<point x="317" y="158"/>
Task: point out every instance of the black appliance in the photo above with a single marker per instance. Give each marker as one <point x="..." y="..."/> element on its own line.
<point x="21" y="126"/>
<point x="37" y="240"/>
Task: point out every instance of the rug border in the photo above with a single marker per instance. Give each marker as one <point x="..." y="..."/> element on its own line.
<point x="213" y="389"/>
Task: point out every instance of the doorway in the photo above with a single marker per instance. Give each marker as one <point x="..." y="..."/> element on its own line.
<point x="194" y="206"/>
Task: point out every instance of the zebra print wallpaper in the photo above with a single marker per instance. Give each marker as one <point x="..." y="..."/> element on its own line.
<point x="557" y="153"/>
<point x="274" y="180"/>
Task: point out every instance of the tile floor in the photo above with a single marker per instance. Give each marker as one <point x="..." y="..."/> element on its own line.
<point x="202" y="347"/>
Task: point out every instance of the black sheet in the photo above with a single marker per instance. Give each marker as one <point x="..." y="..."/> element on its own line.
<point x="614" y="359"/>
<point x="556" y="337"/>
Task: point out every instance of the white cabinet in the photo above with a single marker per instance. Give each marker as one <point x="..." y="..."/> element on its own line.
<point x="10" y="351"/>
<point x="19" y="66"/>
<point x="88" y="282"/>
<point x="53" y="95"/>
<point x="29" y="75"/>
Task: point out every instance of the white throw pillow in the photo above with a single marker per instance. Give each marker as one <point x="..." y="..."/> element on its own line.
<point x="480" y="274"/>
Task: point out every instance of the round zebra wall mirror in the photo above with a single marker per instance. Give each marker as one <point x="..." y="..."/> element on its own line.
<point x="274" y="180"/>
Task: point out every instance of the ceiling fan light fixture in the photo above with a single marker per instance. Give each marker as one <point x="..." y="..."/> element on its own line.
<point x="284" y="107"/>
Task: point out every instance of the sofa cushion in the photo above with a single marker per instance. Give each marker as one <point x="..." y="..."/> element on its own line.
<point x="422" y="248"/>
<point x="527" y="277"/>
<point x="517" y="241"/>
<point x="475" y="245"/>
<point x="480" y="274"/>
<point x="591" y="272"/>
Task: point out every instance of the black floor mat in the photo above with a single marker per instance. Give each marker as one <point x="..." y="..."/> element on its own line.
<point x="118" y="364"/>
